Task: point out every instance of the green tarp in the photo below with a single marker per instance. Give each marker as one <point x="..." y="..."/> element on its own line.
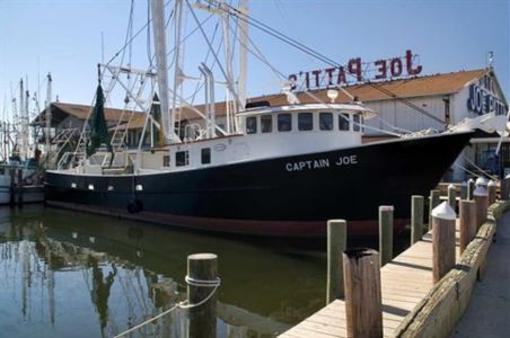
<point x="97" y="125"/>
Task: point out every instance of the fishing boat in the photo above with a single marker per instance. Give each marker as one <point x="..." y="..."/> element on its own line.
<point x="264" y="170"/>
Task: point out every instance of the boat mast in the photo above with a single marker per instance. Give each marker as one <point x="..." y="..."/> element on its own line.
<point x="158" y="27"/>
<point x="48" y="114"/>
<point x="20" y="137"/>
<point x="178" y="73"/>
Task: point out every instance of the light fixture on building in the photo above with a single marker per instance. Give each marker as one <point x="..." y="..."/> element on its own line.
<point x="332" y="94"/>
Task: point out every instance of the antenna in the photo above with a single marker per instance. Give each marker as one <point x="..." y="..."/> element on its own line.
<point x="490" y="59"/>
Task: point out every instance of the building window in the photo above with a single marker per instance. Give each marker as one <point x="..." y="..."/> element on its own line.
<point x="181" y="158"/>
<point x="251" y="125"/>
<point x="305" y="121"/>
<point x="356" y="122"/>
<point x="284" y="122"/>
<point x="266" y="123"/>
<point x="166" y="161"/>
<point x="343" y="121"/>
<point x="326" y="121"/>
<point x="206" y="155"/>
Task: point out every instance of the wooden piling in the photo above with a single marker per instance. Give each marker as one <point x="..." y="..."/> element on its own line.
<point x="505" y="188"/>
<point x="433" y="202"/>
<point x="452" y="196"/>
<point x="443" y="240"/>
<point x="362" y="293"/>
<point x="19" y="188"/>
<point x="492" y="190"/>
<point x="463" y="191"/>
<point x="470" y="189"/>
<point x="467" y="223"/>
<point x="386" y="233"/>
<point x="417" y="202"/>
<point x="12" y="187"/>
<point x="337" y="243"/>
<point x="481" y="197"/>
<point x="202" y="268"/>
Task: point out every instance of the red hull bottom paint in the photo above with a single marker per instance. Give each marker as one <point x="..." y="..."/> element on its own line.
<point x="305" y="229"/>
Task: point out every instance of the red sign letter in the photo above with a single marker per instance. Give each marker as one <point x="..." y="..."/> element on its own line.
<point x="329" y="72"/>
<point x="409" y="64"/>
<point x="381" y="68"/>
<point x="293" y="80"/>
<point x="341" y="76"/>
<point x="354" y="67"/>
<point x="396" y="67"/>
<point x="316" y="73"/>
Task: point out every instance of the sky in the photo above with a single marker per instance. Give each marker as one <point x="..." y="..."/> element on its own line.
<point x="64" y="37"/>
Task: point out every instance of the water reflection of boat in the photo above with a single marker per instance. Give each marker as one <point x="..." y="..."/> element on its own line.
<point x="108" y="258"/>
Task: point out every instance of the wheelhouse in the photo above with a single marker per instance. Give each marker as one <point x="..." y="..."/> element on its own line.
<point x="306" y="118"/>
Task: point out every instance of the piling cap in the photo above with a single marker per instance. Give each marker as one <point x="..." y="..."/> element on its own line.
<point x="444" y="211"/>
<point x="481" y="181"/>
<point x="386" y="208"/>
<point x="480" y="190"/>
<point x="451" y="186"/>
<point x="471" y="180"/>
<point x="492" y="183"/>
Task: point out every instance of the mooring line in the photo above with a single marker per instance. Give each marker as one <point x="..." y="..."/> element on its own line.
<point x="214" y="284"/>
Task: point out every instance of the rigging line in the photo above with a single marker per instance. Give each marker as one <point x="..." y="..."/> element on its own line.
<point x="300" y="46"/>
<point x="466" y="170"/>
<point x="200" y="85"/>
<point x="229" y="85"/>
<point x="134" y="37"/>
<point x="494" y="178"/>
<point x="149" y="53"/>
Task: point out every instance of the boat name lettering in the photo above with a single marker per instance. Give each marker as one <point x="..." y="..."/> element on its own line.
<point x="307" y="165"/>
<point x="347" y="160"/>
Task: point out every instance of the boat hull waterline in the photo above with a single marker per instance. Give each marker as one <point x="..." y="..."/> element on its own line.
<point x="288" y="197"/>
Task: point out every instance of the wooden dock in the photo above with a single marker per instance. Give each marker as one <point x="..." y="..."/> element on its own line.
<point x="405" y="281"/>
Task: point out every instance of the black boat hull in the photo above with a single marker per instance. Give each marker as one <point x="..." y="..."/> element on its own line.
<point x="289" y="196"/>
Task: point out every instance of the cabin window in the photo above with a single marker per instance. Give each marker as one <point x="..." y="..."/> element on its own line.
<point x="326" y="121"/>
<point x="182" y="158"/>
<point x="356" y="122"/>
<point x="251" y="125"/>
<point x="166" y="160"/>
<point x="305" y="121"/>
<point x="343" y="121"/>
<point x="206" y="155"/>
<point x="284" y="122"/>
<point x="266" y="123"/>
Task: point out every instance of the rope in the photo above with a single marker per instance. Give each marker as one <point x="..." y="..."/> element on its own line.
<point x="184" y="305"/>
<point x="494" y="178"/>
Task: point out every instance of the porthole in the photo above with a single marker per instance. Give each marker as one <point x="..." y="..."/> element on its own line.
<point x="139" y="187"/>
<point x="91" y="187"/>
<point x="73" y="185"/>
<point x="110" y="188"/>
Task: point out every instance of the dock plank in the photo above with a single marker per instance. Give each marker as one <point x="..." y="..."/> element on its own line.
<point x="405" y="281"/>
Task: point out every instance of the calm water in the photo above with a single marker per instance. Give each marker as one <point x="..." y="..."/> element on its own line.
<point x="68" y="274"/>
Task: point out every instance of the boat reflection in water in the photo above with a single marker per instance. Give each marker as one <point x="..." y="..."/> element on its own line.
<point x="65" y="274"/>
